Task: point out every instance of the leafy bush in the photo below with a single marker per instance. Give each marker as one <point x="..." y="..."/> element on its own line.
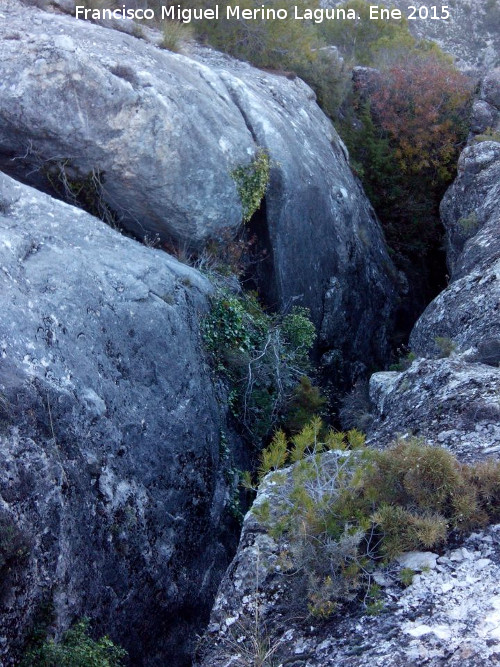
<point x="278" y="44"/>
<point x="445" y="346"/>
<point x="252" y="181"/>
<point x="361" y="41"/>
<point x="174" y="34"/>
<point x="468" y="225"/>
<point x="305" y="402"/>
<point x="342" y="508"/>
<point x="262" y="356"/>
<point x="76" y="649"/>
<point x="410" y="123"/>
<point x="488" y="135"/>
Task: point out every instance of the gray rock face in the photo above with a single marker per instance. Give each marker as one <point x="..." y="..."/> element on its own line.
<point x="100" y="102"/>
<point x="449" y="402"/>
<point x="471" y="33"/>
<point x="112" y="463"/>
<point x="162" y="133"/>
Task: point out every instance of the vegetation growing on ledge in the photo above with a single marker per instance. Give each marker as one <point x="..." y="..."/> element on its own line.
<point x="76" y="649"/>
<point x="262" y="356"/>
<point x="343" y="509"/>
<point x="14" y="545"/>
<point x="252" y="181"/>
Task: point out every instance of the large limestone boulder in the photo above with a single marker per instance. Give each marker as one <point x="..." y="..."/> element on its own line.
<point x="160" y="134"/>
<point x="111" y="454"/>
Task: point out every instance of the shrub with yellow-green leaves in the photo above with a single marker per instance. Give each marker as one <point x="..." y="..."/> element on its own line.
<point x="342" y="508"/>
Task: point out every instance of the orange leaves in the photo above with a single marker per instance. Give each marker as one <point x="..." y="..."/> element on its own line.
<point x="421" y="103"/>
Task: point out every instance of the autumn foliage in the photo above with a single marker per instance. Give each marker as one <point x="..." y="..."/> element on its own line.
<point x="421" y="104"/>
<point x="405" y="126"/>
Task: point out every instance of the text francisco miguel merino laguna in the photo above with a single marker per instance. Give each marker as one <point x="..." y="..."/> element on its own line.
<point x="186" y="14"/>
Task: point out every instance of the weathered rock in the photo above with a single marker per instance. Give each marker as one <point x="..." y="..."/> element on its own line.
<point x="162" y="133"/>
<point x="164" y="157"/>
<point x="483" y="116"/>
<point x="450" y="402"/>
<point x="112" y="458"/>
<point x="490" y="88"/>
<point x="455" y="402"/>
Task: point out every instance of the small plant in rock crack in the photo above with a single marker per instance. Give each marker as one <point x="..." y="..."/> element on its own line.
<point x="341" y="509"/>
<point x="252" y="181"/>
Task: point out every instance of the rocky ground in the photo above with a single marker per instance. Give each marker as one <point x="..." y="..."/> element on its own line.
<point x="116" y="451"/>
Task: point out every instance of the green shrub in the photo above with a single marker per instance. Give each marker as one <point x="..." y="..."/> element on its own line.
<point x="174" y="35"/>
<point x="488" y="135"/>
<point x="262" y="357"/>
<point x="252" y="181"/>
<point x="360" y="41"/>
<point x="404" y="362"/>
<point x="341" y="513"/>
<point x="76" y="649"/>
<point x="406" y="576"/>
<point x="279" y="44"/>
<point x="468" y="225"/>
<point x="306" y="402"/>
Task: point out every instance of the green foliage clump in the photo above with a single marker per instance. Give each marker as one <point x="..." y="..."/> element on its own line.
<point x="404" y="129"/>
<point x="343" y="508"/>
<point x="406" y="576"/>
<point x="362" y="40"/>
<point x="263" y="356"/>
<point x="76" y="649"/>
<point x="252" y="181"/>
<point x="265" y="43"/>
<point x="305" y="402"/>
<point x="174" y="35"/>
<point x="468" y="225"/>
<point x="445" y="346"/>
<point x="404" y="362"/>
